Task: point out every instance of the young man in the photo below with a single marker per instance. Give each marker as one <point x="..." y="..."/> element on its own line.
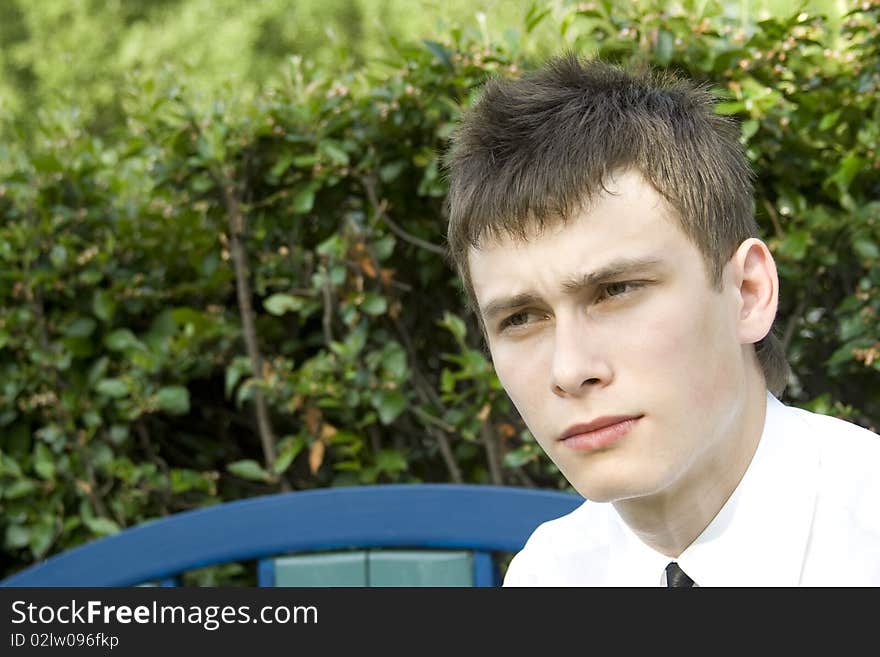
<point x="602" y="223"/>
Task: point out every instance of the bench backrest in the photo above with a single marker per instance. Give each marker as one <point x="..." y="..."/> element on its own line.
<point x="468" y="517"/>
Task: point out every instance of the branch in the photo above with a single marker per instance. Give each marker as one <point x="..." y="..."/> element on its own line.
<point x="774" y="217"/>
<point x="236" y="220"/>
<point x="524" y="479"/>
<point x="425" y="393"/>
<point x="375" y="438"/>
<point x="153" y="455"/>
<point x="427" y="417"/>
<point x="446" y="452"/>
<point x="327" y="319"/>
<point x="63" y="413"/>
<point x="487" y="435"/>
<point x="380" y="208"/>
<point x="790" y="326"/>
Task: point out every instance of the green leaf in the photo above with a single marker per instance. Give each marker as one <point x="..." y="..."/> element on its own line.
<point x="288" y="449"/>
<point x="244" y="393"/>
<point x="81" y="328"/>
<point x="58" y="256"/>
<point x="849" y="167"/>
<point x="279" y="303"/>
<point x="366" y="476"/>
<point x="234" y="371"/>
<point x="306" y="161"/>
<point x="9" y="466"/>
<point x="749" y="128"/>
<point x="44" y="464"/>
<point x="447" y="381"/>
<point x="664" y="48"/>
<point x="303" y="200"/>
<point x="390" y="404"/>
<point x="162" y="327"/>
<point x="338" y="274"/>
<point x="282" y="165"/>
<point x="795" y="244"/>
<point x="516" y="458"/>
<point x="829" y="120"/>
<point x="332" y="246"/>
<point x="355" y="340"/>
<point x="384" y="247"/>
<point x="455" y="325"/>
<point x="534" y="17"/>
<point x="336" y="154"/>
<point x="97" y="370"/>
<point x="474" y="362"/>
<point x="42" y="535"/>
<point x="46" y="162"/>
<point x="173" y="399"/>
<point x="732" y="107"/>
<point x="390" y="461"/>
<point x="851" y="327"/>
<point x="101" y="526"/>
<point x="394" y="361"/>
<point x="866" y="249"/>
<point x="440" y="53"/>
<point x="118" y="434"/>
<point x="183" y="480"/>
<point x="248" y="469"/>
<point x="122" y="340"/>
<point x="53" y="435"/>
<point x="185" y="316"/>
<point x="201" y="183"/>
<point x="374" y="304"/>
<point x="17" y="536"/>
<point x="391" y="171"/>
<point x="115" y="388"/>
<point x="19" y="488"/>
<point x="841" y="355"/>
<point x="348" y="466"/>
<point x="103" y="305"/>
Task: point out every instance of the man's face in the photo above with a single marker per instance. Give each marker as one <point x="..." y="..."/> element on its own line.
<point x="610" y="321"/>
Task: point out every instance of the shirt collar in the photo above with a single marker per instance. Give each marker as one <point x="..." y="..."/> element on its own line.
<point x="760" y="535"/>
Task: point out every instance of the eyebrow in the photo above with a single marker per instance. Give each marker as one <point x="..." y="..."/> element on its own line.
<point x="613" y="270"/>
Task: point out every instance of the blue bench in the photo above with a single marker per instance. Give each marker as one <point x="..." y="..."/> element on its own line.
<point x="468" y="520"/>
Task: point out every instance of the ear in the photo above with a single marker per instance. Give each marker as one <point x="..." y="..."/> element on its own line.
<point x="756" y="287"/>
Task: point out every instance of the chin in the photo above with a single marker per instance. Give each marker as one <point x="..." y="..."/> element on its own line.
<point x="602" y="491"/>
<point x="612" y="487"/>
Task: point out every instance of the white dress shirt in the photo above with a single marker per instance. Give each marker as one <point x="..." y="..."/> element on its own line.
<point x="806" y="513"/>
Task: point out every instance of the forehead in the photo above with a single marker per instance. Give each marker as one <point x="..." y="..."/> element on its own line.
<point x="630" y="221"/>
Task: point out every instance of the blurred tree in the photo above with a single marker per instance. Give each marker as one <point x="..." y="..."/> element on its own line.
<point x="79" y="53"/>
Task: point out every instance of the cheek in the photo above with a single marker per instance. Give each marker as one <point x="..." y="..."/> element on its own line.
<point x="513" y="374"/>
<point x="689" y="351"/>
<point x="521" y="377"/>
<point x="662" y="342"/>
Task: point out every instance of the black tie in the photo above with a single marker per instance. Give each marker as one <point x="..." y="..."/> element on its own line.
<point x="676" y="578"/>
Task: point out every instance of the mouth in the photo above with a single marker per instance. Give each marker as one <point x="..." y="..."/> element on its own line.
<point x="599" y="433"/>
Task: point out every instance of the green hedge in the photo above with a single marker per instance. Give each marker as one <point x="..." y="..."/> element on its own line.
<point x="235" y="299"/>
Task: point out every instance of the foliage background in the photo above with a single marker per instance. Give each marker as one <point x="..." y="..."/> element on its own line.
<point x="222" y="275"/>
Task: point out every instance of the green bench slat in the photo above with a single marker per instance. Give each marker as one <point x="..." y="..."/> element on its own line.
<point x="332" y="569"/>
<point x="420" y="568"/>
<point x="376" y="568"/>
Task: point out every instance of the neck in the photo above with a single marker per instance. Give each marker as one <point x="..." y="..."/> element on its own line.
<point x="671" y="520"/>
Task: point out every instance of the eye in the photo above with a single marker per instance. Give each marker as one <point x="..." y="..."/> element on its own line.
<point x="612" y="290"/>
<point x="521" y="319"/>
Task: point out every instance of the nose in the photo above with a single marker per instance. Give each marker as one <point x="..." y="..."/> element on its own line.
<point x="580" y="359"/>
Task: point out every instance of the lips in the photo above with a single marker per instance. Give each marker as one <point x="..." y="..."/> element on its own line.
<point x="599" y="433"/>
